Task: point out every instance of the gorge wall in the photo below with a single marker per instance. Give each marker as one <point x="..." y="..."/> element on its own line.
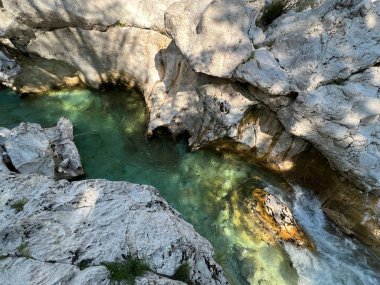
<point x="210" y="69"/>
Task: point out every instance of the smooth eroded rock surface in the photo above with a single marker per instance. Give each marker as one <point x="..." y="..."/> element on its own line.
<point x="342" y="121"/>
<point x="90" y="13"/>
<point x="49" y="151"/>
<point x="131" y="58"/>
<point x="98" y="221"/>
<point x="212" y="35"/>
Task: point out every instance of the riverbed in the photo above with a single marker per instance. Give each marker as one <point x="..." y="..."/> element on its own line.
<point x="206" y="187"/>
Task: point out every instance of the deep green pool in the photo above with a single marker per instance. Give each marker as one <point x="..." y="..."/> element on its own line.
<point x="110" y="131"/>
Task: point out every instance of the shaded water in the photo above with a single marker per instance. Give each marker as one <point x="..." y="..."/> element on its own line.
<point x="207" y="188"/>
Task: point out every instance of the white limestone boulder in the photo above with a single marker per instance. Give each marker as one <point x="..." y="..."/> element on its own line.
<point x="342" y="121"/>
<point x="50" y="152"/>
<point x="213" y="35"/>
<point x="97" y="221"/>
<point x="326" y="44"/>
<point x="89" y="14"/>
<point x="264" y="72"/>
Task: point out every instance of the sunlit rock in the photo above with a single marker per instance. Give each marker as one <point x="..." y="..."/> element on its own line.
<point x="211" y="109"/>
<point x="331" y="56"/>
<point x="342" y="121"/>
<point x="131" y="59"/>
<point x="277" y="218"/>
<point x="212" y="35"/>
<point x="11" y="28"/>
<point x="89" y="14"/>
<point x="219" y="189"/>
<point x="50" y="151"/>
<point x="4" y="132"/>
<point x="263" y="71"/>
<point x="97" y="221"/>
<point x="19" y="270"/>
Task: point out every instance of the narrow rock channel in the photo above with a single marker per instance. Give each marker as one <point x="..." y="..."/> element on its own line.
<point x="209" y="189"/>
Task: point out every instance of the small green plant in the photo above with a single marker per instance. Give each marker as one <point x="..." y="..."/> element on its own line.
<point x="119" y="24"/>
<point x="2" y="257"/>
<point x="183" y="273"/>
<point x="19" y="205"/>
<point x="338" y="81"/>
<point x="126" y="270"/>
<point x="85" y="263"/>
<point x="23" y="250"/>
<point x="275" y="9"/>
<point x="251" y="56"/>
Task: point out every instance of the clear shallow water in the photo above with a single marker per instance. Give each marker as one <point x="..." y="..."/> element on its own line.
<point x="208" y="189"/>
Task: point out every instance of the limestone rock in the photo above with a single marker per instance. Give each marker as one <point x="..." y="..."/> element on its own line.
<point x="264" y="72"/>
<point x="3" y="167"/>
<point x="4" y="132"/>
<point x="301" y="53"/>
<point x="130" y="59"/>
<point x="10" y="28"/>
<point x="50" y="152"/>
<point x="210" y="109"/>
<point x="98" y="221"/>
<point x="342" y="121"/>
<point x="8" y="69"/>
<point x="328" y="43"/>
<point x="89" y="14"/>
<point x="211" y="34"/>
<point x="38" y="75"/>
<point x="330" y="55"/>
<point x="277" y="217"/>
<point x="14" y="271"/>
<point x="155" y="279"/>
<point x="260" y="130"/>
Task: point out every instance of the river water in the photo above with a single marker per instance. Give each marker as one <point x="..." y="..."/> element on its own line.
<point x="207" y="188"/>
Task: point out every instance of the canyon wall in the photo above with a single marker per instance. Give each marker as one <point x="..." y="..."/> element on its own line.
<point x="210" y="68"/>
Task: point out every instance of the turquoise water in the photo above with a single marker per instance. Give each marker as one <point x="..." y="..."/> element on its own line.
<point x="207" y="188"/>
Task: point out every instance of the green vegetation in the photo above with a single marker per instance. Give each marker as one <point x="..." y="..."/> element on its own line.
<point x="251" y="56"/>
<point x="119" y="24"/>
<point x="2" y="257"/>
<point x="275" y="9"/>
<point x="183" y="273"/>
<point x="126" y="270"/>
<point x="23" y="250"/>
<point x="85" y="263"/>
<point x="338" y="81"/>
<point x="19" y="205"/>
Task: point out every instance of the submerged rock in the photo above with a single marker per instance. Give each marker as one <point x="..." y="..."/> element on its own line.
<point x="50" y="152"/>
<point x="277" y="218"/>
